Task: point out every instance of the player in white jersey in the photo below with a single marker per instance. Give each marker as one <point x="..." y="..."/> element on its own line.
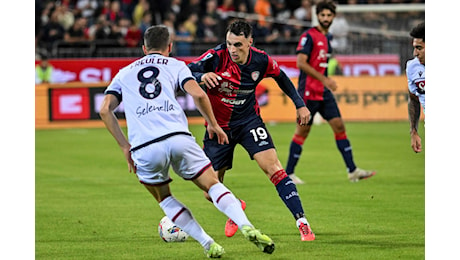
<point x="415" y="72"/>
<point x="159" y="137"/>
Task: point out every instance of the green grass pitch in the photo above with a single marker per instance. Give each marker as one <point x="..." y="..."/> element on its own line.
<point x="87" y="206"/>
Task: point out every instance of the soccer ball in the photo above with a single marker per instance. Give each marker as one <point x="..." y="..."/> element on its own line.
<point x="169" y="232"/>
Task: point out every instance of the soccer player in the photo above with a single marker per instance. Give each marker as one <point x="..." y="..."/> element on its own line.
<point x="230" y="73"/>
<point x="313" y="52"/>
<point x="159" y="137"/>
<point x="415" y="72"/>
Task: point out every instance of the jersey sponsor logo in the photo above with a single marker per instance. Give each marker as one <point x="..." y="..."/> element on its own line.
<point x="233" y="101"/>
<point x="322" y="55"/>
<point x="420" y="86"/>
<point x="226" y="88"/>
<point x="292" y="194"/>
<point x="320" y="43"/>
<point x="255" y="75"/>
<point x="149" y="108"/>
<point x="226" y="74"/>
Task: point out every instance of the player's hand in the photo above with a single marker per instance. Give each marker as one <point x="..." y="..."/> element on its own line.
<point x="131" y="165"/>
<point x="416" y="142"/>
<point x="330" y="84"/>
<point x="222" y="137"/>
<point x="303" y="116"/>
<point x="210" y="79"/>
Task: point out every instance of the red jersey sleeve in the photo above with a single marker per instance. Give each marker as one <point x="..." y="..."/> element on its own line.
<point x="273" y="69"/>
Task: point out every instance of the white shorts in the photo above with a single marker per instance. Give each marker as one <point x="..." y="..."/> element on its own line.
<point x="181" y="152"/>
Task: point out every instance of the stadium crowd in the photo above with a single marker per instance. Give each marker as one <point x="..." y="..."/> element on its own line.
<point x="122" y="23"/>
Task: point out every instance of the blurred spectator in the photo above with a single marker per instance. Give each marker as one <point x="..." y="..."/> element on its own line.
<point x="43" y="71"/>
<point x="146" y="22"/>
<point x="139" y="10"/>
<point x="105" y="8"/>
<point x="281" y="14"/>
<point x="116" y="36"/>
<point x="52" y="31"/>
<point x="87" y="9"/>
<point x="183" y="41"/>
<point x="133" y="35"/>
<point x="265" y="33"/>
<point x="207" y="29"/>
<point x="100" y="30"/>
<point x="339" y="30"/>
<point x="65" y="16"/>
<point x="78" y="31"/>
<point x="226" y="6"/>
<point x="303" y="13"/>
<point x="280" y="11"/>
<point x="115" y="13"/>
<point x="242" y="7"/>
<point x="46" y="12"/>
<point x="293" y="30"/>
<point x="189" y="7"/>
<point x="191" y="24"/>
<point x="127" y="8"/>
<point x="124" y="24"/>
<point x="176" y="7"/>
<point x="263" y="9"/>
<point x="169" y="21"/>
<point x="211" y="9"/>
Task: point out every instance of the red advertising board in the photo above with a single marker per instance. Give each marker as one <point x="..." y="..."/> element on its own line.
<point x="97" y="70"/>
<point x="69" y="103"/>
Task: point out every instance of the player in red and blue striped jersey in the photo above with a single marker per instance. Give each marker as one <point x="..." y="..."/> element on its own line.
<point x="231" y="72"/>
<point x="313" y="52"/>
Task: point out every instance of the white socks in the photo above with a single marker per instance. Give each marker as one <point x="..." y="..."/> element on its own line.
<point x="302" y="220"/>
<point x="227" y="203"/>
<point x="182" y="217"/>
<point x="223" y="200"/>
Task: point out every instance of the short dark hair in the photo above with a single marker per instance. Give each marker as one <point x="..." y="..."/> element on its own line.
<point x="325" y="5"/>
<point x="239" y="27"/>
<point x="156" y="37"/>
<point x="418" y="31"/>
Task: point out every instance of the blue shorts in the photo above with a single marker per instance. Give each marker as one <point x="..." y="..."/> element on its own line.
<point x="327" y="107"/>
<point x="253" y="136"/>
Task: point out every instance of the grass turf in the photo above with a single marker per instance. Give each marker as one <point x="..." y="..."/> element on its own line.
<point x="87" y="206"/>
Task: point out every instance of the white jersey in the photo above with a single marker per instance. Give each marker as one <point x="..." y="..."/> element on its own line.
<point x="148" y="88"/>
<point x="415" y="72"/>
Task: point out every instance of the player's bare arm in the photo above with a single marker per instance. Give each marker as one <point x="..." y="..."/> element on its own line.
<point x="109" y="104"/>
<point x="414" y="116"/>
<point x="204" y="106"/>
<point x="310" y="71"/>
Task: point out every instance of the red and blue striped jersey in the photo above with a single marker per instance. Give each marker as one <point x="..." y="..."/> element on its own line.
<point x="234" y="101"/>
<point x="317" y="47"/>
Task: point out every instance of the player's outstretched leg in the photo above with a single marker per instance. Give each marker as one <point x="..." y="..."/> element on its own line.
<point x="262" y="241"/>
<point x="230" y="226"/>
